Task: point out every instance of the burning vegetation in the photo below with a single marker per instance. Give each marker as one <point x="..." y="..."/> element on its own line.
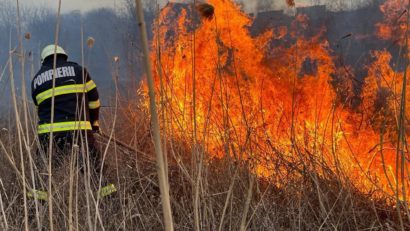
<point x="265" y="130"/>
<point x="394" y="25"/>
<point x="241" y="96"/>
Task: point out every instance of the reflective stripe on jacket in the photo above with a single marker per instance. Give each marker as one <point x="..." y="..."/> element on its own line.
<point x="64" y="126"/>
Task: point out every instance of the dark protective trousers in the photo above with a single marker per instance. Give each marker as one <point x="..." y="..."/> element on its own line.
<point x="66" y="144"/>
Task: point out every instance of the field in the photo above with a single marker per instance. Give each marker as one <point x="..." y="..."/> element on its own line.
<point x="227" y="131"/>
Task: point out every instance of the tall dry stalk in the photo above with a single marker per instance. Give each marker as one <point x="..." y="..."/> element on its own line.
<point x="85" y="152"/>
<point x="17" y="114"/>
<point x="196" y="156"/>
<point x="163" y="180"/>
<point x="162" y="91"/>
<point x="401" y="139"/>
<point x="19" y="135"/>
<point x="50" y="147"/>
<point x="73" y="160"/>
<point x="247" y="203"/>
<point x="26" y="130"/>
<point x="22" y="58"/>
<point x="3" y="222"/>
<point x="228" y="198"/>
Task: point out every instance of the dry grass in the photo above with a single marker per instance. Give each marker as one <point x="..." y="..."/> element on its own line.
<point x="224" y="194"/>
<point x="303" y="201"/>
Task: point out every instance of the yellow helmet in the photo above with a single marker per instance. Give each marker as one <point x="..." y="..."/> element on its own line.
<point x="49" y="50"/>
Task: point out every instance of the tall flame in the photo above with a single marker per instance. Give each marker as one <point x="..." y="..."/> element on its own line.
<point x="241" y="96"/>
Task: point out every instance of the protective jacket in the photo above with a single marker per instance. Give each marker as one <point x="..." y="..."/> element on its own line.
<point x="76" y="101"/>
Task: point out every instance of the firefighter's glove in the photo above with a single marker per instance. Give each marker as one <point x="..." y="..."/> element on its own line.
<point x="96" y="126"/>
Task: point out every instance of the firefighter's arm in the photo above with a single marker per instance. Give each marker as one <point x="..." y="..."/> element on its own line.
<point x="93" y="102"/>
<point x="33" y="95"/>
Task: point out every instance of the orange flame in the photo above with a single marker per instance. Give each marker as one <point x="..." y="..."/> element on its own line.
<point x="238" y="96"/>
<point x="394" y="25"/>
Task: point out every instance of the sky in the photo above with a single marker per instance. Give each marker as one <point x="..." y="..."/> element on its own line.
<point x="70" y="5"/>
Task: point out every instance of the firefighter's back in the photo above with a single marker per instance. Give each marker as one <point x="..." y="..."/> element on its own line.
<point x="70" y="96"/>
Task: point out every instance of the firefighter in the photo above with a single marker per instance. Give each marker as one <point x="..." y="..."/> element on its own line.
<point x="76" y="110"/>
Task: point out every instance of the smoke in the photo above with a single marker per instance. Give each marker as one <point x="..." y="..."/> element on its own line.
<point x="254" y="6"/>
<point x="251" y="6"/>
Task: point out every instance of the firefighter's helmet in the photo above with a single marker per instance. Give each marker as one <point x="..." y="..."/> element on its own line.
<point x="49" y="50"/>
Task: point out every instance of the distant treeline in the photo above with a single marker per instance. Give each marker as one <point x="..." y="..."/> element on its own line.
<point x="115" y="33"/>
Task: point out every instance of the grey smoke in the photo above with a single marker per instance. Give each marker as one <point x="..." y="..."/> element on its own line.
<point x="254" y="6"/>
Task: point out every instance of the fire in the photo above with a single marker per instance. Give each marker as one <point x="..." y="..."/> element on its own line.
<point x="394" y="25"/>
<point x="240" y="96"/>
